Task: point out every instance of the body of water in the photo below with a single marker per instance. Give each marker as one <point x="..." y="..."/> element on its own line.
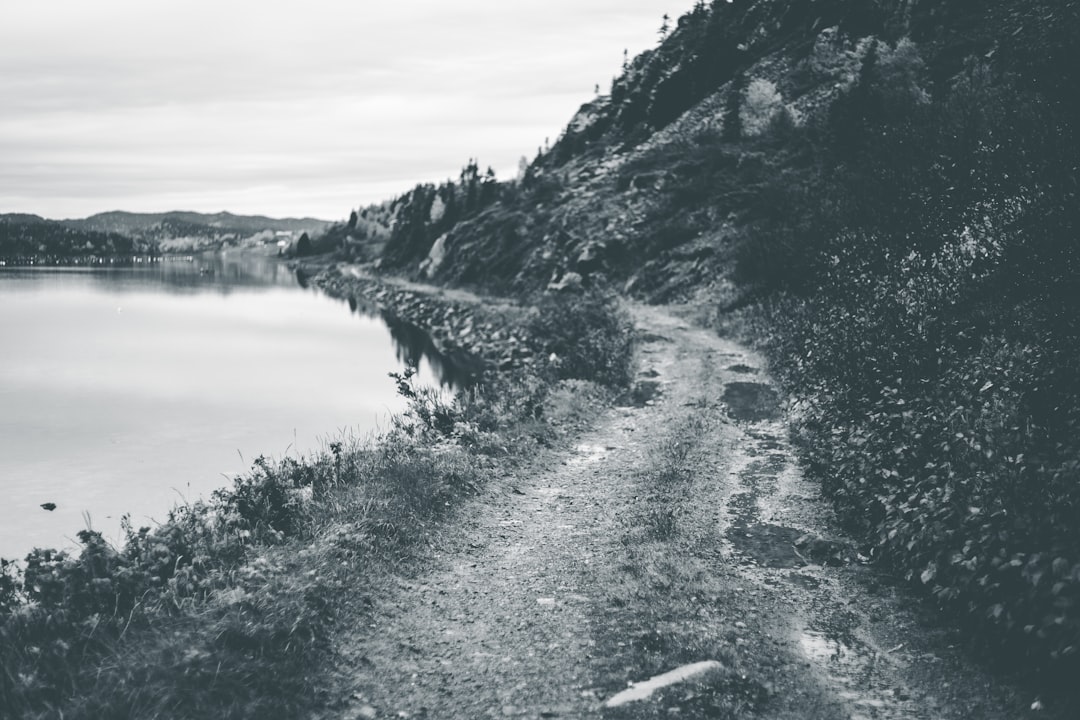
<point x="129" y="390"/>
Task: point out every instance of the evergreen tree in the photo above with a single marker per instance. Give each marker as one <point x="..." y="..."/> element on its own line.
<point x="488" y="188"/>
<point x="470" y="181"/>
<point x="733" y="127"/>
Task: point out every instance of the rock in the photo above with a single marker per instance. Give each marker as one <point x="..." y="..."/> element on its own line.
<point x="436" y="256"/>
<point x="589" y="259"/>
<point x="569" y="281"/>
<point x="643" y="690"/>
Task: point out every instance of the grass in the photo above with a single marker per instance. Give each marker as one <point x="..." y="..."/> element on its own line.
<point x="229" y="609"/>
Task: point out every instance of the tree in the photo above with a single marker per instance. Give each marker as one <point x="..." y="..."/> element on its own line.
<point x="353" y="218"/>
<point x="733" y="127"/>
<point x="303" y="245"/>
<point x="438" y="210"/>
<point x="665" y="26"/>
<point x="489" y="188"/>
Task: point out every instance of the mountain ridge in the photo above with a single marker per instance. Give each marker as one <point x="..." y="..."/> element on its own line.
<point x="123" y="220"/>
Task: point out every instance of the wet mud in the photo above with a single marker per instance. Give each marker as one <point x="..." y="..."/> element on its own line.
<point x="743" y="369"/>
<point x="751" y="402"/>
<point x="643" y="393"/>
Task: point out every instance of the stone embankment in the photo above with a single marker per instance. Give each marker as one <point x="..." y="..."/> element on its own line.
<point x="458" y="323"/>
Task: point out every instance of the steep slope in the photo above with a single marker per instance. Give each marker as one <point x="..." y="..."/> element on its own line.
<point x="648" y="173"/>
<point x="889" y="188"/>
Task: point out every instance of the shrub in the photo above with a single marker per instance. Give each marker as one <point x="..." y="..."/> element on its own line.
<point x="585" y="336"/>
<point x="761" y="104"/>
<point x="920" y="268"/>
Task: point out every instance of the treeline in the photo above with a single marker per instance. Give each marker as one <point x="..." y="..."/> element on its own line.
<point x="31" y="239"/>
<point x="400" y="232"/>
<point x="427" y="211"/>
<point x="708" y="47"/>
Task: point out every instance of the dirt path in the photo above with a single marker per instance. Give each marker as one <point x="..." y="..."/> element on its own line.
<point x="679" y="530"/>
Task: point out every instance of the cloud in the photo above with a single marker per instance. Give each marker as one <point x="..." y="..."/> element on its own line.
<point x="283" y="108"/>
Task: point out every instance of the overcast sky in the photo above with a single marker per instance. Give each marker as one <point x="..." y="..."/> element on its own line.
<point x="288" y="108"/>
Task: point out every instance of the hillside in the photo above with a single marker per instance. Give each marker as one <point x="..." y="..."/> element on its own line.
<point x="881" y="196"/>
<point x="114" y="233"/>
<point x="28" y="237"/>
<point x="181" y="230"/>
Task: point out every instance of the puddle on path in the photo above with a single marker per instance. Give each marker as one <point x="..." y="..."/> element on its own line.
<point x="644" y="392"/>
<point x="859" y="674"/>
<point x="762" y="544"/>
<point x="806" y="582"/>
<point x="766" y="545"/>
<point x="772" y="528"/>
<point x="743" y="369"/>
<point x="751" y="402"/>
<point x="587" y="453"/>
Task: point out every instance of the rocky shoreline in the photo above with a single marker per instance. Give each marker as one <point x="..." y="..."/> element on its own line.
<point x="459" y="327"/>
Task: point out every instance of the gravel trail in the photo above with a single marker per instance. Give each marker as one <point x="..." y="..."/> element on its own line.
<point x="534" y="610"/>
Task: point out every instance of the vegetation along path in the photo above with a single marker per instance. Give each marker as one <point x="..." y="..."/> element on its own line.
<point x="679" y="530"/>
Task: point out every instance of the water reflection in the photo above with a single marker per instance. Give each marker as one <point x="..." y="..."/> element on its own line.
<point x="184" y="274"/>
<point x="118" y="385"/>
<point x="225" y="273"/>
<point x="415" y="347"/>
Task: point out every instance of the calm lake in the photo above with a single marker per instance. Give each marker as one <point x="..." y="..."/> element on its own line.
<point x="130" y="390"/>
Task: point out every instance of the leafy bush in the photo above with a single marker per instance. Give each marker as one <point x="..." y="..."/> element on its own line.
<point x="586" y="336"/>
<point x="762" y="102"/>
<point x="922" y="277"/>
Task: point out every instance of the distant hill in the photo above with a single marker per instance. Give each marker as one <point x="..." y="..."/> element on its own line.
<point x="24" y="218"/>
<point x="129" y="223"/>
<point x="30" y="237"/>
<point x="178" y="231"/>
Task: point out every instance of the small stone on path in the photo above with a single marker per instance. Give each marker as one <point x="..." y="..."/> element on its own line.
<point x="643" y="690"/>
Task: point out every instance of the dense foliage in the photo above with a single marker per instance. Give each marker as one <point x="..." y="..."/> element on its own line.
<point x="921" y="263"/>
<point x="586" y="337"/>
<point x="427" y="211"/>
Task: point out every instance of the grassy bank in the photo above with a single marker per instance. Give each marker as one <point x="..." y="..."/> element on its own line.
<point x="228" y="608"/>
